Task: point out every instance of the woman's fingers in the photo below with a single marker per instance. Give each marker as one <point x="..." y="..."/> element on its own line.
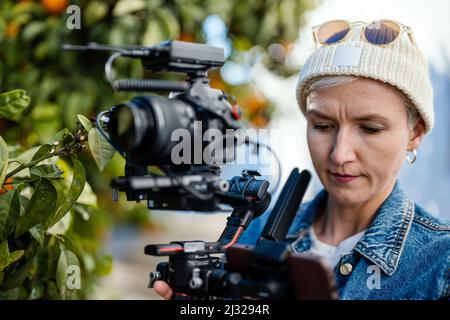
<point x="163" y="289"/>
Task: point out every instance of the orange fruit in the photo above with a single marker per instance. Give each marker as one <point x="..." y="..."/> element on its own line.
<point x="6" y="187"/>
<point x="55" y="6"/>
<point x="186" y="37"/>
<point x="254" y="103"/>
<point x="259" y="121"/>
<point x="215" y="81"/>
<point x="12" y="30"/>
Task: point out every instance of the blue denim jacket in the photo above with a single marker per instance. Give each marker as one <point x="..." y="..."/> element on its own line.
<point x="404" y="254"/>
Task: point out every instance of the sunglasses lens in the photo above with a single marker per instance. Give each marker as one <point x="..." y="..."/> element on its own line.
<point x="382" y="32"/>
<point x="332" y="32"/>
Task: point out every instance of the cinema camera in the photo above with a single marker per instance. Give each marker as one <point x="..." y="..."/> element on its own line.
<point x="141" y="130"/>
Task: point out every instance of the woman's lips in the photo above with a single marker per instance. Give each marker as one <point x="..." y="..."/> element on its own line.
<point x="344" y="178"/>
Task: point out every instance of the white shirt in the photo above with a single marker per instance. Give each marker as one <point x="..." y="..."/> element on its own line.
<point x="332" y="254"/>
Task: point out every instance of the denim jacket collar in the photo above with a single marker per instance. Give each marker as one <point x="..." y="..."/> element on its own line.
<point x="385" y="237"/>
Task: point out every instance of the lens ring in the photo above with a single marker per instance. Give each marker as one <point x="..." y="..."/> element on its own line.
<point x="122" y="126"/>
<point x="381" y="32"/>
<point x="332" y="32"/>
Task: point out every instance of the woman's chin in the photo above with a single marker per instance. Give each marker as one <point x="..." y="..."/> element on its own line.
<point x="346" y="193"/>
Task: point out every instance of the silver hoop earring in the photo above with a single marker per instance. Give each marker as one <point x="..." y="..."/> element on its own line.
<point x="412" y="159"/>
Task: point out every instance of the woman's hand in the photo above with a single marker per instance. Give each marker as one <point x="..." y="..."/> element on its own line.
<point x="163" y="289"/>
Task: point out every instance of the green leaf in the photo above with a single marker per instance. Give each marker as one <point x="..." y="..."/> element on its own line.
<point x="95" y="11"/>
<point x="63" y="137"/>
<point x="18" y="276"/>
<point x="12" y="103"/>
<point x="85" y="122"/>
<point x="32" y="30"/>
<point x="62" y="187"/>
<point x="170" y="21"/>
<point x="42" y="152"/>
<point x="41" y="51"/>
<point x="88" y="261"/>
<point x="76" y="187"/>
<point x="47" y="119"/>
<point x="47" y="259"/>
<point x="38" y="233"/>
<point x="46" y="112"/>
<point x="49" y="85"/>
<point x="2" y="29"/>
<point x="11" y="294"/>
<point x="52" y="290"/>
<point x="154" y="32"/>
<point x="15" y="255"/>
<point x="24" y="201"/>
<point x="40" y="207"/>
<point x="37" y="289"/>
<point x="78" y="102"/>
<point x="61" y="227"/>
<point x="104" y="266"/>
<point x="124" y="7"/>
<point x="9" y="213"/>
<point x="4" y="254"/>
<point x="46" y="171"/>
<point x="67" y="261"/>
<point x="3" y="160"/>
<point x="23" y="293"/>
<point x="101" y="149"/>
<point x="6" y="258"/>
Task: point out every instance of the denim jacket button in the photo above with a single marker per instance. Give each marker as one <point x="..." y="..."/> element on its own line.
<point x="345" y="269"/>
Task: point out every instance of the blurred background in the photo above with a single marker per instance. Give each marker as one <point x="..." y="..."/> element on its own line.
<point x="265" y="43"/>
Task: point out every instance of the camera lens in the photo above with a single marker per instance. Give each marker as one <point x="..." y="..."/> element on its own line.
<point x="148" y="128"/>
<point x="130" y="124"/>
<point x="143" y="127"/>
<point x="125" y="136"/>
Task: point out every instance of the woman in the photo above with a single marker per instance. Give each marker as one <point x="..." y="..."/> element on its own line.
<point x="367" y="99"/>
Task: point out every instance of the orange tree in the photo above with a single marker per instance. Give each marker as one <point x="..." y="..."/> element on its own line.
<point x="63" y="85"/>
<point x="48" y="234"/>
<point x="32" y="32"/>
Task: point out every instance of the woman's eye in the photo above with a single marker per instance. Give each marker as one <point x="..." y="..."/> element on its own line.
<point x="321" y="127"/>
<point x="371" y="130"/>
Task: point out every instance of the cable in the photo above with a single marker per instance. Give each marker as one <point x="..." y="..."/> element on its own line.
<point x="108" y="139"/>
<point x="109" y="72"/>
<point x="257" y="144"/>
<point x="248" y="141"/>
<point x="235" y="238"/>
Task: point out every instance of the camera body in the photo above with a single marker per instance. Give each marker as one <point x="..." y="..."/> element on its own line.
<point x="188" y="134"/>
<point x="147" y="128"/>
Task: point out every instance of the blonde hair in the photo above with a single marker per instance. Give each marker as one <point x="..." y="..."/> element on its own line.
<point x="326" y="82"/>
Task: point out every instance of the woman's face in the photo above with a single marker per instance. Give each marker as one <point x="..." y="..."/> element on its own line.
<point x="359" y="129"/>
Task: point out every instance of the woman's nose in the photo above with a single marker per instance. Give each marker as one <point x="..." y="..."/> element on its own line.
<point x="343" y="149"/>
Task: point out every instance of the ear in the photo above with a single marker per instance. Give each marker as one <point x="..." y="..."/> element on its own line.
<point x="416" y="135"/>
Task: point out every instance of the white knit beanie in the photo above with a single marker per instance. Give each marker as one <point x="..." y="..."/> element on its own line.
<point x="400" y="64"/>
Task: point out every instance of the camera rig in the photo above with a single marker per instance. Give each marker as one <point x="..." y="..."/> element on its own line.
<point x="268" y="270"/>
<point x="141" y="130"/>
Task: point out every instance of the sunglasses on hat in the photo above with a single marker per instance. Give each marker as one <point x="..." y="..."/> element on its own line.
<point x="379" y="32"/>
